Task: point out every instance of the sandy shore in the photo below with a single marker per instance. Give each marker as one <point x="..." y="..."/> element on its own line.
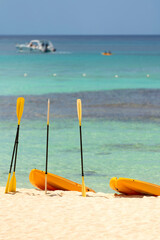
<point x="30" y="214"/>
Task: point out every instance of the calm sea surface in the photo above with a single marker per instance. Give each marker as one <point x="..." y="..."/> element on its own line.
<point x="120" y="100"/>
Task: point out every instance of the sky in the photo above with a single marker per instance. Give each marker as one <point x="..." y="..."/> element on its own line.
<point x="79" y="17"/>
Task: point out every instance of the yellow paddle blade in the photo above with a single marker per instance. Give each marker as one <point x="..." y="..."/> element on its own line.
<point x="83" y="187"/>
<point x="79" y="110"/>
<point x="7" y="185"/>
<point x="12" y="185"/>
<point x="20" y="106"/>
<point x="48" y="112"/>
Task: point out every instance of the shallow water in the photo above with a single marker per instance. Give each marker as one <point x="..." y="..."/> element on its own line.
<point x="120" y="141"/>
<point x="134" y="57"/>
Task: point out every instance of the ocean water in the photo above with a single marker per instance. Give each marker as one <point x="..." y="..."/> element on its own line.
<point x="120" y="101"/>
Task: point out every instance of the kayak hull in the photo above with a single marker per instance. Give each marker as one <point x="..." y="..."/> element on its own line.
<point x="107" y="54"/>
<point x="134" y="187"/>
<point x="54" y="182"/>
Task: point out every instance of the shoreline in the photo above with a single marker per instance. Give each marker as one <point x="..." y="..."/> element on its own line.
<point x="30" y="214"/>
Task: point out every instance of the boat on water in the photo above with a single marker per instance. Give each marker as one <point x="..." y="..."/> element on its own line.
<point x="106" y="53"/>
<point x="54" y="182"/>
<point x="37" y="45"/>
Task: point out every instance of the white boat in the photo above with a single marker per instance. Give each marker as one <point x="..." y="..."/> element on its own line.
<point x="37" y="45"/>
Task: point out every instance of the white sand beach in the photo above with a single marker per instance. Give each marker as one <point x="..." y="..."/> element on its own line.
<point x="30" y="214"/>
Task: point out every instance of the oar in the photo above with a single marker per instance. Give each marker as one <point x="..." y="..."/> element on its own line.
<point x="47" y="146"/>
<point x="20" y="106"/>
<point x="15" y="143"/>
<point x="7" y="185"/>
<point x="79" y="112"/>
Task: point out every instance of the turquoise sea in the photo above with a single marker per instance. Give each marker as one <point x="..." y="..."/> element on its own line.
<point x="120" y="100"/>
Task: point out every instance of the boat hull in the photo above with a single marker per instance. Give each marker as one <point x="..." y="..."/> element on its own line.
<point x="54" y="182"/>
<point x="134" y="187"/>
<point x="107" y="54"/>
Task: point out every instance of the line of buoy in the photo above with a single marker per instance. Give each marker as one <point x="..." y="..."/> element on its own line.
<point x="116" y="76"/>
<point x="84" y="75"/>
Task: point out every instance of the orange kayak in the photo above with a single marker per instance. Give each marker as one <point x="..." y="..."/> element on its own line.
<point x="54" y="182"/>
<point x="134" y="187"/>
<point x="106" y="54"/>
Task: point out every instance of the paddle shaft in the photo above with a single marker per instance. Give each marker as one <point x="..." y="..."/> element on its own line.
<point x="16" y="148"/>
<point x="47" y="136"/>
<point x="47" y="149"/>
<point x="80" y="130"/>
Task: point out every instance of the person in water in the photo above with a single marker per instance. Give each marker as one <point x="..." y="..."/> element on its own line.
<point x="109" y="52"/>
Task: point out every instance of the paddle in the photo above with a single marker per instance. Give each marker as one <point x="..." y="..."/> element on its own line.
<point x="47" y="146"/>
<point x="7" y="185"/>
<point x="79" y="112"/>
<point x="12" y="186"/>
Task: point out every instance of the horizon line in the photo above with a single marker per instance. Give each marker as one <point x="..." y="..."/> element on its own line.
<point x="42" y="34"/>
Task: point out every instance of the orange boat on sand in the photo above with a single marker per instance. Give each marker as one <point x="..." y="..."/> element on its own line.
<point x="134" y="187"/>
<point x="54" y="182"/>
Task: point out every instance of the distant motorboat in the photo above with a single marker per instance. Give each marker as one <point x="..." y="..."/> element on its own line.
<point x="37" y="45"/>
